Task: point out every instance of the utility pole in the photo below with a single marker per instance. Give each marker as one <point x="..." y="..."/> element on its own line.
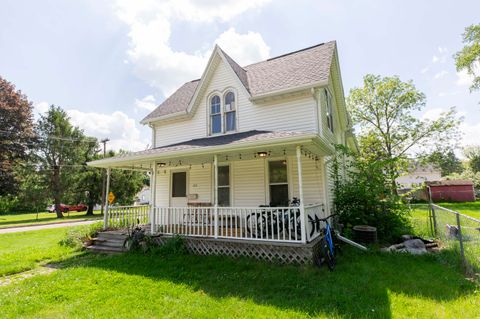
<point x="104" y="141"/>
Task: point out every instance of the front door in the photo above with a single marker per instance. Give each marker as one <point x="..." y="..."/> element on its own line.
<point x="178" y="194"/>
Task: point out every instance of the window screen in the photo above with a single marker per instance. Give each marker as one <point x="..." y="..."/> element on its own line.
<point x="179" y="184"/>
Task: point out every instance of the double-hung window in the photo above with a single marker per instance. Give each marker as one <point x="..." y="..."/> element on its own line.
<point x="278" y="183"/>
<point x="215" y="115"/>
<point x="223" y="191"/>
<point x="223" y="116"/>
<point x="328" y="101"/>
<point x="230" y="111"/>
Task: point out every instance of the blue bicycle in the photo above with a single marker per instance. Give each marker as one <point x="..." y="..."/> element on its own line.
<point x="326" y="251"/>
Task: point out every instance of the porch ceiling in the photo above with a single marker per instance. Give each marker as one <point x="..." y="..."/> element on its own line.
<point x="237" y="146"/>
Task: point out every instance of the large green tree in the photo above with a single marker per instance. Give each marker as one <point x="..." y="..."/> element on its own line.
<point x="473" y="155"/>
<point x="468" y="58"/>
<point x="386" y="110"/>
<point x="60" y="153"/>
<point x="124" y="184"/>
<point x="446" y="160"/>
<point x="16" y="134"/>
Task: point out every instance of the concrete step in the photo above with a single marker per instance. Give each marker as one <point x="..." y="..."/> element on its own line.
<point x="109" y="243"/>
<point x="111" y="235"/>
<point x="105" y="249"/>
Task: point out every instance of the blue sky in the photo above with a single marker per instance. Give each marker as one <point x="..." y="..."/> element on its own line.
<point x="109" y="62"/>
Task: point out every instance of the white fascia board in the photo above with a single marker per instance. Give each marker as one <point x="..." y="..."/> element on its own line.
<point x="108" y="162"/>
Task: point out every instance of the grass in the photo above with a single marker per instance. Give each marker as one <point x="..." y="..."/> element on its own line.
<point x="368" y="285"/>
<point x="471" y="209"/>
<point x="26" y="250"/>
<point x="24" y="219"/>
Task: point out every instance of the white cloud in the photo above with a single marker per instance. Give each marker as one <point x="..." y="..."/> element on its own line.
<point x="165" y="68"/>
<point x="40" y="108"/>
<point x="424" y="70"/>
<point x="470" y="133"/>
<point x="433" y="114"/>
<point x="442" y="50"/>
<point x="435" y="59"/>
<point x="244" y="48"/>
<point x="118" y="127"/>
<point x="440" y="74"/>
<point x="465" y="79"/>
<point x="147" y="103"/>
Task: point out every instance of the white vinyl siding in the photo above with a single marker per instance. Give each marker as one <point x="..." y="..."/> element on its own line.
<point x="312" y="180"/>
<point x="248" y="182"/>
<point x="292" y="114"/>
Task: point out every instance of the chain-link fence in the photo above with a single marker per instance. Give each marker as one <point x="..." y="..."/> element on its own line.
<point x="455" y="231"/>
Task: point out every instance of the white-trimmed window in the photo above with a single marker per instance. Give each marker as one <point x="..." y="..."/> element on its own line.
<point x="278" y="182"/>
<point x="215" y="115"/>
<point x="230" y="112"/>
<point x="223" y="185"/>
<point x="223" y="113"/>
<point x="328" y="101"/>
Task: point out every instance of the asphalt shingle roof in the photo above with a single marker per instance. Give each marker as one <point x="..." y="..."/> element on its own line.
<point x="296" y="69"/>
<point x="221" y="140"/>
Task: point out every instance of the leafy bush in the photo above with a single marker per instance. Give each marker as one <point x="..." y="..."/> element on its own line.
<point x="76" y="236"/>
<point x="8" y="204"/>
<point x="173" y="246"/>
<point x="363" y="196"/>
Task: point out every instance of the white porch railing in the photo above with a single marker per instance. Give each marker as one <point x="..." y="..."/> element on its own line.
<point x="126" y="216"/>
<point x="280" y="224"/>
<point x="248" y="223"/>
<point x="313" y="226"/>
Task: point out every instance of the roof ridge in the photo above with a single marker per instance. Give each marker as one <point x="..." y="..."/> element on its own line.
<point x="288" y="53"/>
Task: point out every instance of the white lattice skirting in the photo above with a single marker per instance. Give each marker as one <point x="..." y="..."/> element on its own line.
<point x="284" y="253"/>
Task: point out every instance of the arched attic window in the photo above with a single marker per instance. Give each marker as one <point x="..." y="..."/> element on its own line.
<point x="230" y="112"/>
<point x="215" y="115"/>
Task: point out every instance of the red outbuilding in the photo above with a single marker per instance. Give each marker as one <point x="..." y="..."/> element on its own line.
<point x="452" y="190"/>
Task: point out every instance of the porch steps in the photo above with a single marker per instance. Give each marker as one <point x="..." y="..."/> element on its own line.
<point x="108" y="242"/>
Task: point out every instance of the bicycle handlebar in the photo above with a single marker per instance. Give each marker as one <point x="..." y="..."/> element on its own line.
<point x="325" y="218"/>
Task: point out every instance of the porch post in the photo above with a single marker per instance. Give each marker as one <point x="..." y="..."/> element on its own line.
<point x="215" y="192"/>
<point x="107" y="191"/>
<point x="300" y="193"/>
<point x="153" y="186"/>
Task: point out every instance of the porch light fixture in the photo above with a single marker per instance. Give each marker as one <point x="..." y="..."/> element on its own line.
<point x="161" y="164"/>
<point x="262" y="154"/>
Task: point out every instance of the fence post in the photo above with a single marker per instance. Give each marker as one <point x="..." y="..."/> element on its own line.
<point x="434" y="217"/>
<point x="460" y="238"/>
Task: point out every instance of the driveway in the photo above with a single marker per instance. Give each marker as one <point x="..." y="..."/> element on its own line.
<point x="48" y="226"/>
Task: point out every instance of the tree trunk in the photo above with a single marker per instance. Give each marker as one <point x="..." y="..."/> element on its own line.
<point x="90" y="208"/>
<point x="56" y="193"/>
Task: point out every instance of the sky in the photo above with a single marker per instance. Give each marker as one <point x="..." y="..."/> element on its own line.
<point x="109" y="63"/>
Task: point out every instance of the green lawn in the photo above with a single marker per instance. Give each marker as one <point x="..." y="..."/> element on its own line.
<point x="470" y="208"/>
<point x="21" y="219"/>
<point x="364" y="285"/>
<point x="26" y="250"/>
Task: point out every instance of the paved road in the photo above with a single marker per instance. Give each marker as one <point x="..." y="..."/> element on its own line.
<point x="38" y="227"/>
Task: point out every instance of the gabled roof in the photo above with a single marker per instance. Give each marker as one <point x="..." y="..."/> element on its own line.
<point x="299" y="69"/>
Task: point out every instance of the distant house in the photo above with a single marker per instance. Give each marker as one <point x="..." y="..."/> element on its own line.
<point x="452" y="190"/>
<point x="418" y="175"/>
<point x="143" y="197"/>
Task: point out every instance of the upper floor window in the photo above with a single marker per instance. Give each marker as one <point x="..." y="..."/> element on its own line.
<point x="230" y="110"/>
<point x="215" y="115"/>
<point x="328" y="101"/>
<point x="223" y="116"/>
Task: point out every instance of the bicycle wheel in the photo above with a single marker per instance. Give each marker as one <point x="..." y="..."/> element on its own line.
<point x="256" y="225"/>
<point x="325" y="256"/>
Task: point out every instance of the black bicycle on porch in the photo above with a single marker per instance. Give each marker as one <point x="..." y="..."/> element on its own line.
<point x="275" y="223"/>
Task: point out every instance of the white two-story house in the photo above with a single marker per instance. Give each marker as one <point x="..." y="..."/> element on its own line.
<point x="242" y="137"/>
